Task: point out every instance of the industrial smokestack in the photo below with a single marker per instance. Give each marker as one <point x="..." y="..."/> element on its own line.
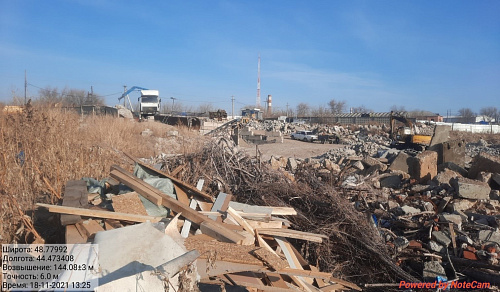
<point x="269" y="105"/>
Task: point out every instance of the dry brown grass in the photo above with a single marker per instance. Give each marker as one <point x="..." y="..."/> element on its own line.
<point x="61" y="146"/>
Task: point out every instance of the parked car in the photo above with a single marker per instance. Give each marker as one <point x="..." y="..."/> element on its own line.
<point x="306" y="136"/>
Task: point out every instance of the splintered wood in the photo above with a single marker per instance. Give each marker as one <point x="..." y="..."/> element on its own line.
<point x="239" y="244"/>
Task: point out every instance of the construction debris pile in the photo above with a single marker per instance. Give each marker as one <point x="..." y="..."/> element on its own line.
<point x="363" y="214"/>
<point x="438" y="212"/>
<point x="186" y="238"/>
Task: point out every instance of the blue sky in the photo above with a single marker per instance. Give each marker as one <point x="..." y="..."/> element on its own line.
<point x="429" y="55"/>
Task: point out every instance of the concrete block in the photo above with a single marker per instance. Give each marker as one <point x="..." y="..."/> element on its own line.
<point x="437" y="247"/>
<point x="444" y="177"/>
<point x="484" y="162"/>
<point x="291" y="164"/>
<point x="471" y="189"/>
<point x="432" y="270"/>
<point x="358" y="165"/>
<point x="400" y="162"/>
<point x="460" y="205"/>
<point x="451" y="218"/>
<point x="410" y="210"/>
<point x="441" y="237"/>
<point x="450" y="151"/>
<point x="275" y="164"/>
<point x="330" y="165"/>
<point x="423" y="167"/>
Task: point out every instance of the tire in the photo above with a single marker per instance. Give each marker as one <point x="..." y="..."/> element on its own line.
<point x="293" y="137"/>
<point x="305" y="139"/>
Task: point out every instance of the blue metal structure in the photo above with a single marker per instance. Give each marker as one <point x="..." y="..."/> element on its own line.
<point x="130" y="90"/>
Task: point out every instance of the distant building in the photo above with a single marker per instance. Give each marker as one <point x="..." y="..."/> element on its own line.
<point x="430" y="118"/>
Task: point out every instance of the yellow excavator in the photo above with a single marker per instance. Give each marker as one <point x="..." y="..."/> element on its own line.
<point x="404" y="137"/>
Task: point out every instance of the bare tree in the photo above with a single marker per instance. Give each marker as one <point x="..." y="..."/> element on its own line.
<point x="397" y="108"/>
<point x="490" y="114"/>
<point x="50" y="96"/>
<point x="361" y="109"/>
<point x="205" y="108"/>
<point x="303" y="109"/>
<point x="468" y="116"/>
<point x="337" y="107"/>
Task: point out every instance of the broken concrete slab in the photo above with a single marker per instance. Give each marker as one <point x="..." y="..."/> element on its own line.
<point x="358" y="165"/>
<point x="408" y="210"/>
<point x="471" y="189"/>
<point x="442" y="237"/>
<point x="432" y="270"/>
<point x="484" y="162"/>
<point x="452" y="166"/>
<point x="400" y="162"/>
<point x="423" y="167"/>
<point x="441" y="134"/>
<point x="489" y="236"/>
<point x="370" y="161"/>
<point x="460" y="205"/>
<point x="443" y="178"/>
<point x="451" y="218"/>
<point x="434" y="246"/>
<point x="275" y="164"/>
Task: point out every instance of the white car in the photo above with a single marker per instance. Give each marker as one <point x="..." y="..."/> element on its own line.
<point x="306" y="136"/>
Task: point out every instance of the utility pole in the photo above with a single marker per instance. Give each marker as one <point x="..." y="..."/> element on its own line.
<point x="25" y="87"/>
<point x="257" y="103"/>
<point x="124" y="90"/>
<point x="232" y="104"/>
<point x="287" y="109"/>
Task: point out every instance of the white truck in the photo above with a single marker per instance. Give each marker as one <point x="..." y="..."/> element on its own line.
<point x="306" y="136"/>
<point x="149" y="103"/>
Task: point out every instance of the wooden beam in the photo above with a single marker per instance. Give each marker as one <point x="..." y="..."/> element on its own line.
<point x="240" y="220"/>
<point x="120" y="176"/>
<point x="98" y="213"/>
<point x="194" y="216"/>
<point x="293" y="234"/>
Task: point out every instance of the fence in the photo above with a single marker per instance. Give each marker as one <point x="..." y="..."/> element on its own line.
<point x="489" y="129"/>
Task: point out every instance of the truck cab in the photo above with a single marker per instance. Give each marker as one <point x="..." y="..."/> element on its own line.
<point x="149" y="103"/>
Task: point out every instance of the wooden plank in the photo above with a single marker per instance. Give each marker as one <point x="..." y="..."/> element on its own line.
<point x="187" y="224"/>
<point x="250" y="208"/>
<point x="181" y="195"/>
<point x="75" y="195"/>
<point x="194" y="216"/>
<point x="290" y="257"/>
<point x="289" y="233"/>
<point x="98" y="213"/>
<point x="284" y="211"/>
<point x="262" y="209"/>
<point x="240" y="220"/>
<point x="218" y="268"/>
<point x="276" y="280"/>
<point x="73" y="236"/>
<point x="180" y="183"/>
<point x="260" y="224"/>
<point x="332" y="287"/>
<point x="129" y="203"/>
<point x="176" y="171"/>
<point x="90" y="227"/>
<point x="151" y="196"/>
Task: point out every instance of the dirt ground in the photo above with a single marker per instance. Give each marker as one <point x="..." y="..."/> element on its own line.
<point x="290" y="148"/>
